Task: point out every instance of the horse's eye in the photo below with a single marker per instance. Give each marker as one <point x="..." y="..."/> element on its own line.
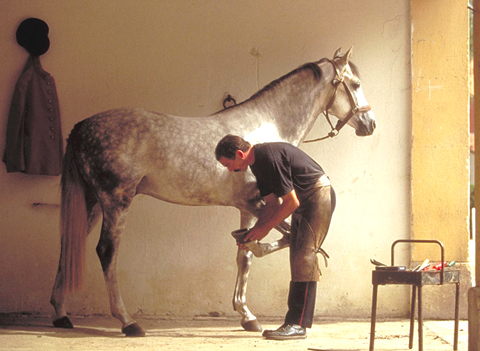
<point x="356" y="84"/>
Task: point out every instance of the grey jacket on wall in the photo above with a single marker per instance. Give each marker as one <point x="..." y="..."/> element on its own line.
<point x="34" y="142"/>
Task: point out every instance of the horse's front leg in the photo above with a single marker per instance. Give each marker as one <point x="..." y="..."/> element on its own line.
<point x="262" y="249"/>
<point x="107" y="250"/>
<point x="249" y="321"/>
<point x="244" y="261"/>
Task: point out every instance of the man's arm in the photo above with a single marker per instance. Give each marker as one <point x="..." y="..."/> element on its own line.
<point x="273" y="214"/>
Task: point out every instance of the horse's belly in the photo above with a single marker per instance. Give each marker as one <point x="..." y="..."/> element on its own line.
<point x="186" y="191"/>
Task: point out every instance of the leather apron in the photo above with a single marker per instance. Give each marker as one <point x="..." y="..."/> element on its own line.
<point x="310" y="223"/>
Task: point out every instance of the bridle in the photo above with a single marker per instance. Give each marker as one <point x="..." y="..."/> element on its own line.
<point x="355" y="108"/>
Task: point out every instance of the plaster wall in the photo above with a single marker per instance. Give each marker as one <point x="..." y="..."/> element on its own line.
<point x="182" y="58"/>
<point x="440" y="141"/>
<point x="440" y="127"/>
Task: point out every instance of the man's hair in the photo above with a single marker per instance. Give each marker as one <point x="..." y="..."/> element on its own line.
<point x="228" y="146"/>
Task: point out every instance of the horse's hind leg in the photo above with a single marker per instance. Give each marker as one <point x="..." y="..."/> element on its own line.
<point x="57" y="300"/>
<point x="107" y="250"/>
<point x="244" y="261"/>
<point x="58" y="297"/>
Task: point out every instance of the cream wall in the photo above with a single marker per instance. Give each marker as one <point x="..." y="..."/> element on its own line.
<point x="181" y="58"/>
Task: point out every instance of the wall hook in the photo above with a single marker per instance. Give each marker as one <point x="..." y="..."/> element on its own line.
<point x="229" y="99"/>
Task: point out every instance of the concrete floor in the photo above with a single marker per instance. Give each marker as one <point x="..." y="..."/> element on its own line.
<point x="19" y="332"/>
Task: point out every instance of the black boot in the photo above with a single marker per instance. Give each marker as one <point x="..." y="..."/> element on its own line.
<point x="301" y="306"/>
<point x="286" y="332"/>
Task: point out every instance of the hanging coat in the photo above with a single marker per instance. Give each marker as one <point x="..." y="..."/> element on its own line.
<point x="34" y="142"/>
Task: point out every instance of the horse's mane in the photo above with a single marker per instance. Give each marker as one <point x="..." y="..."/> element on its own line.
<point x="313" y="66"/>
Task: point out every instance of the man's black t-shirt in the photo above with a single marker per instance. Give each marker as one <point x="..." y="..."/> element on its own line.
<point x="281" y="167"/>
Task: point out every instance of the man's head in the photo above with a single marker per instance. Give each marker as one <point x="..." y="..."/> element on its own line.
<point x="232" y="152"/>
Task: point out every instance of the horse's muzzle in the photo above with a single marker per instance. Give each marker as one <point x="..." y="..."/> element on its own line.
<point x="366" y="125"/>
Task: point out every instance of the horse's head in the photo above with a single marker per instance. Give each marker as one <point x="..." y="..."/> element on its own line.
<point x="347" y="101"/>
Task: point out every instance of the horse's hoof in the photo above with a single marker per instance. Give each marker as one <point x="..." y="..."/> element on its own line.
<point x="253" y="326"/>
<point x="63" y="322"/>
<point x="133" y="330"/>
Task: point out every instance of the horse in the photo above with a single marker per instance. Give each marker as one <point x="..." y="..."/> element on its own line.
<point x="115" y="155"/>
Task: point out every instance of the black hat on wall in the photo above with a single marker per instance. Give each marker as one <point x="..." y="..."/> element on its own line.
<point x="32" y="34"/>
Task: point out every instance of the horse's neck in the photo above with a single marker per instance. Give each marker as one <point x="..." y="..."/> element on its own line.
<point x="292" y="105"/>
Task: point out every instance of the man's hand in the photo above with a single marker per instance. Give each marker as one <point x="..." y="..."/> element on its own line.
<point x="257" y="233"/>
<point x="272" y="214"/>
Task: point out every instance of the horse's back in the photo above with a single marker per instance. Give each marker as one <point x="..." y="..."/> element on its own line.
<point x="171" y="158"/>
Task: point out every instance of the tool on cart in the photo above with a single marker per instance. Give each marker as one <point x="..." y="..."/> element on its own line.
<point x="422" y="266"/>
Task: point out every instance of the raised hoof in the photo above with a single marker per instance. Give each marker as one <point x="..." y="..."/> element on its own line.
<point x="133" y="330"/>
<point x="253" y="326"/>
<point x="63" y="322"/>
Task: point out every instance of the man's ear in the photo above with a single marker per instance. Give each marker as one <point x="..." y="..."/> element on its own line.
<point x="240" y="154"/>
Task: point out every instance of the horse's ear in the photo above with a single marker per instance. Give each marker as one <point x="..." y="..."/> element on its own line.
<point x="337" y="53"/>
<point x="343" y="61"/>
<point x="349" y="53"/>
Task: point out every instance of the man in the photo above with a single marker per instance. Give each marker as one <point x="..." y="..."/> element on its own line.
<point x="291" y="183"/>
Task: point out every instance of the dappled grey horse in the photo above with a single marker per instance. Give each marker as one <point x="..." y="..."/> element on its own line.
<point x="117" y="154"/>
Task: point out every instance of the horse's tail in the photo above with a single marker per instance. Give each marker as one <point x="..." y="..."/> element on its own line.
<point x="73" y="223"/>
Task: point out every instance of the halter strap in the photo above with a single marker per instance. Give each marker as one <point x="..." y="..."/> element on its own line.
<point x="337" y="80"/>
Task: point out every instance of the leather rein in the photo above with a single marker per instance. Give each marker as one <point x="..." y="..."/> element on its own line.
<point x="337" y="80"/>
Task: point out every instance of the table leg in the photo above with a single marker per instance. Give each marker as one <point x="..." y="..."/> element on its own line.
<point x="420" y="320"/>
<point x="412" y="317"/>
<point x="457" y="301"/>
<point x="373" y="317"/>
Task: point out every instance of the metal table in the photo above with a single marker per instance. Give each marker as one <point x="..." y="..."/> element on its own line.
<point x="417" y="279"/>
